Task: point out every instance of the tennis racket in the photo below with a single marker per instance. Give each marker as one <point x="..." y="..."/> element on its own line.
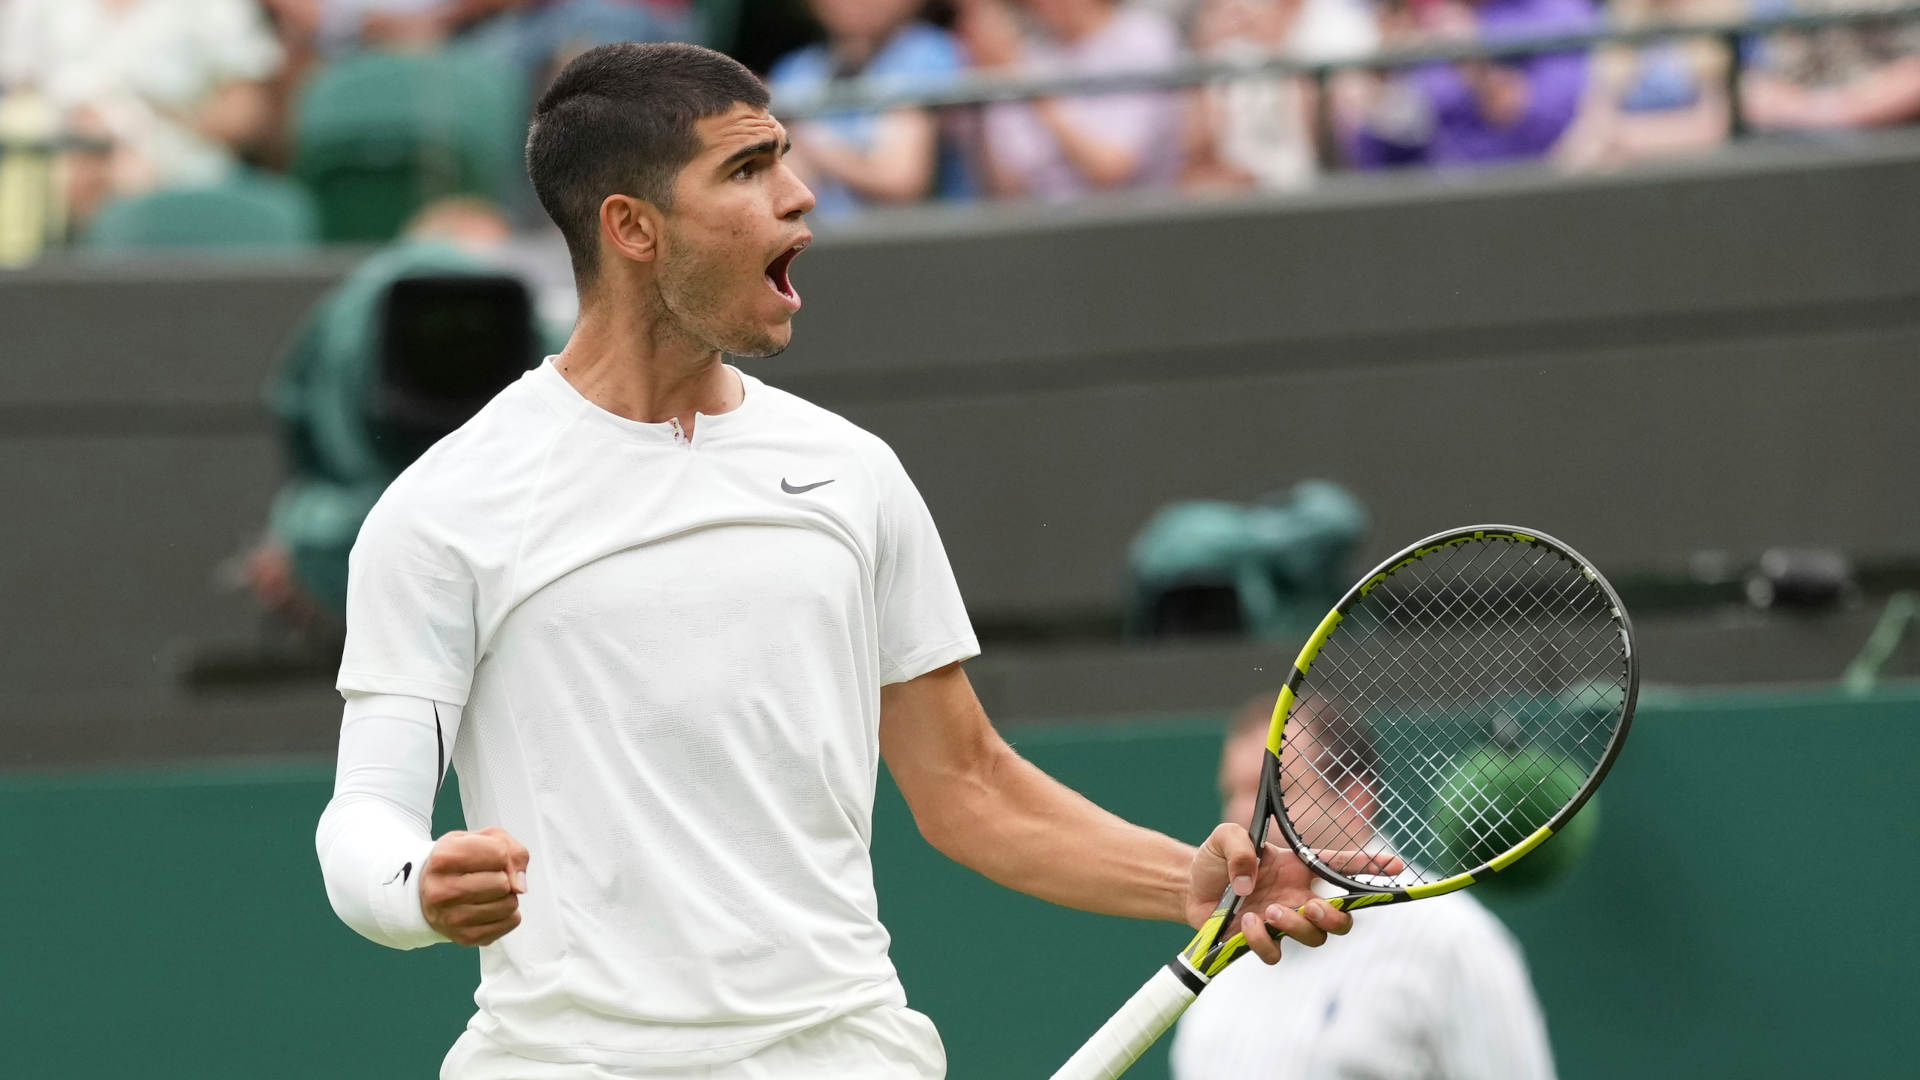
<point x="1453" y="710"/>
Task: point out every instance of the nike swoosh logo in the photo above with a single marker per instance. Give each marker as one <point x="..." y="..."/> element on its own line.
<point x="803" y="488"/>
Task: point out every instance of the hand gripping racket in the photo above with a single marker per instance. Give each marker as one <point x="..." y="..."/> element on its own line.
<point x="1454" y="709"/>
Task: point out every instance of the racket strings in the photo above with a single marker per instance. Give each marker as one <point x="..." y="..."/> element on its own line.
<point x="1457" y="707"/>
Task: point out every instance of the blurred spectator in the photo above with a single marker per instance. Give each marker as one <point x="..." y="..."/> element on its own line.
<point x="342" y="447"/>
<point x="1483" y="111"/>
<point x="1059" y="147"/>
<point x="1181" y="13"/>
<point x="1263" y="131"/>
<point x="545" y="34"/>
<point x="1662" y="98"/>
<point x="177" y="88"/>
<point x="537" y="33"/>
<point x="1860" y="76"/>
<point x="852" y="159"/>
<point x="1436" y="990"/>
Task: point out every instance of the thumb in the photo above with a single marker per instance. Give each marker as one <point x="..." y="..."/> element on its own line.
<point x="1232" y="846"/>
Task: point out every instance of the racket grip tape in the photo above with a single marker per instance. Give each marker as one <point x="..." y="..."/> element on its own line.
<point x="1138" y="1025"/>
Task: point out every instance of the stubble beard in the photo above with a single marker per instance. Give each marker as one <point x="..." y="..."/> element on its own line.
<point x="695" y="296"/>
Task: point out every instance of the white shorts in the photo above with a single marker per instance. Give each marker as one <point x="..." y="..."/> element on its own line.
<point x="881" y="1043"/>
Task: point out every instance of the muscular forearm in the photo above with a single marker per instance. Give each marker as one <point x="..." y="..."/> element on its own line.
<point x="1021" y="828"/>
<point x="375" y="835"/>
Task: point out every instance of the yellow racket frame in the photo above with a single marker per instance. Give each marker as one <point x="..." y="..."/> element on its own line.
<point x="1207" y="954"/>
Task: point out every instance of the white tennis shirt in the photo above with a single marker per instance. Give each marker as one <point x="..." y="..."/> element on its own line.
<point x="668" y="655"/>
<point x="1430" y="990"/>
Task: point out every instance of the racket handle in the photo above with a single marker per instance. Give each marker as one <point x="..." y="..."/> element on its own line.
<point x="1139" y="1023"/>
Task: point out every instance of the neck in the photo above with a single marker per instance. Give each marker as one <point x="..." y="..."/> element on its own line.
<point x="634" y="360"/>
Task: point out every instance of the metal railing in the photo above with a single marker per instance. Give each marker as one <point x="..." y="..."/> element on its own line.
<point x="983" y="88"/>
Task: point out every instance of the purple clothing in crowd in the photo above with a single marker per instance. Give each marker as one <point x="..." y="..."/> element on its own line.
<point x="1458" y="133"/>
<point x="1145" y="124"/>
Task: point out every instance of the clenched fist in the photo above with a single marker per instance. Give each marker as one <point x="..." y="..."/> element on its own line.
<point x="470" y="890"/>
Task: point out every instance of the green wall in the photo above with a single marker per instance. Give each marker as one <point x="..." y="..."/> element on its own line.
<point x="1741" y="914"/>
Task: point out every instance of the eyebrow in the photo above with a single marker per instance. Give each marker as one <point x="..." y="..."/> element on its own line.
<point x="765" y="146"/>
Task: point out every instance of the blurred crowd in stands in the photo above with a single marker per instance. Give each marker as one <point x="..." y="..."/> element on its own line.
<point x="374" y="107"/>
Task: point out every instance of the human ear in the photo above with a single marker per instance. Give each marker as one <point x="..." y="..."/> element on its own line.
<point x="630" y="227"/>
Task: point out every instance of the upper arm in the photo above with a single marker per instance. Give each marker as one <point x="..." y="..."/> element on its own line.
<point x="932" y="728"/>
<point x="922" y="620"/>
<point x="411" y="617"/>
<point x="937" y="743"/>
<point x="396" y="748"/>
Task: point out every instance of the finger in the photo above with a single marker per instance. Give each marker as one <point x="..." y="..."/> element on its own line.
<point x="1260" y="942"/>
<point x="466" y="853"/>
<point x="1362" y="862"/>
<point x="480" y="887"/>
<point x="1235" y="848"/>
<point x="1295" y="925"/>
<point x="470" y="915"/>
<point x="517" y="856"/>
<point x="1327" y="917"/>
<point x="484" y="935"/>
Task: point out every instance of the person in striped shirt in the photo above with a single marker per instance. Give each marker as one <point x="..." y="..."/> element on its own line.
<point x="1436" y="990"/>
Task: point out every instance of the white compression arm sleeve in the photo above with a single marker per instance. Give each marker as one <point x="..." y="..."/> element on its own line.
<point x="374" y="837"/>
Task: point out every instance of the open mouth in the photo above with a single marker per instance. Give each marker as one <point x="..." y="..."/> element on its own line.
<point x="777" y="278"/>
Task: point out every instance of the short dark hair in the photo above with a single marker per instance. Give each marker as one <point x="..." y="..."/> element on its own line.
<point x="619" y="120"/>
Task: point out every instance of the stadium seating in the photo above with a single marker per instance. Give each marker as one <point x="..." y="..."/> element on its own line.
<point x="249" y="210"/>
<point x="380" y="134"/>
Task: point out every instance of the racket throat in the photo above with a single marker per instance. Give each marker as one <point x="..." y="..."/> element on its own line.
<point x="1188" y="975"/>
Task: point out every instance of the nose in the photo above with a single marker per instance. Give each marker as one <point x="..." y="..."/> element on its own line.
<point x="796" y="199"/>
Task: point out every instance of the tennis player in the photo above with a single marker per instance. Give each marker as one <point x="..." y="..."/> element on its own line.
<point x="666" y="620"/>
<point x="1436" y="990"/>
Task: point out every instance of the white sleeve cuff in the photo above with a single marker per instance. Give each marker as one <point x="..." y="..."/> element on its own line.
<point x="375" y="835"/>
<point x="396" y="906"/>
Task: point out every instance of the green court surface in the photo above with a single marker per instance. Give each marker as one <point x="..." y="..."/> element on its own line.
<point x="1741" y="915"/>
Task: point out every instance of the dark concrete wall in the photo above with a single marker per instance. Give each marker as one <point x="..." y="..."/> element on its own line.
<point x="1717" y="355"/>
